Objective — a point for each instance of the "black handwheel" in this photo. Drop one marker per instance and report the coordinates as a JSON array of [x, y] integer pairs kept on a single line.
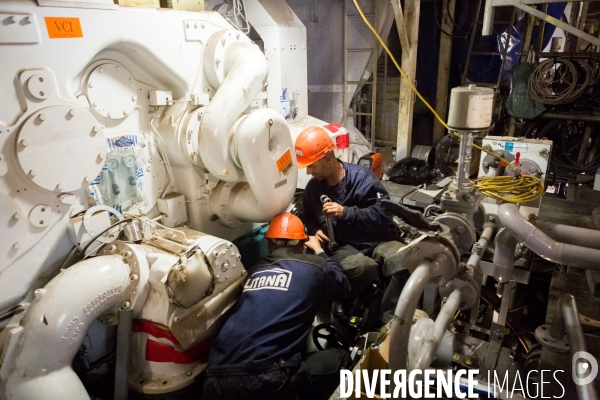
[[333, 336]]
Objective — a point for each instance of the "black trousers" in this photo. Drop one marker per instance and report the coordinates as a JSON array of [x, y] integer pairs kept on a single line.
[[317, 378]]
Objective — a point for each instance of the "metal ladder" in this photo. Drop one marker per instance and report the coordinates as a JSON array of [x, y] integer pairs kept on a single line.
[[374, 51], [503, 53]]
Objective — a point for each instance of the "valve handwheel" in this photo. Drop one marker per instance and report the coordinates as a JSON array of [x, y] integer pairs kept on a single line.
[[334, 337]]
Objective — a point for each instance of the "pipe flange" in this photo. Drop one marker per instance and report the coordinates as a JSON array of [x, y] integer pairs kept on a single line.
[[134, 256], [214, 59], [461, 229], [220, 207], [469, 290], [542, 335], [443, 261], [189, 137]]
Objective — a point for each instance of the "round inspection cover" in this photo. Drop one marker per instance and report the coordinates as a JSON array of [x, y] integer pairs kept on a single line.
[[40, 87], [59, 146], [112, 91], [14, 224]]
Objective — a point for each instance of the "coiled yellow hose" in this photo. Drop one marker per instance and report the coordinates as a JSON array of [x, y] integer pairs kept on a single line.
[[521, 189]]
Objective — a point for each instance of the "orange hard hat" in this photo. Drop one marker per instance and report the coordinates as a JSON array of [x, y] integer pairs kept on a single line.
[[312, 144], [286, 226]]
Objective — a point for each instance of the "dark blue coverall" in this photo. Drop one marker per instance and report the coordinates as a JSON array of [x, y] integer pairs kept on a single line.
[[257, 354], [362, 226]]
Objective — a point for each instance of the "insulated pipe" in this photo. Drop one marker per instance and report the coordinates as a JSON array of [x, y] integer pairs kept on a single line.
[[571, 234], [488, 18], [403, 317], [566, 317], [441, 325], [55, 325], [262, 144], [544, 245], [504, 253], [481, 245], [245, 69]]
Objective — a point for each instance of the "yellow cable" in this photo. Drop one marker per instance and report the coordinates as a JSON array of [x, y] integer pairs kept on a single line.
[[525, 188]]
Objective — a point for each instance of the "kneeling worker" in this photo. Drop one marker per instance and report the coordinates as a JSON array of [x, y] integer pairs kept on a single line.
[[258, 353]]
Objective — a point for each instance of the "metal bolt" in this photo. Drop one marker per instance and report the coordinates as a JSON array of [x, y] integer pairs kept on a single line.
[[177, 319], [102, 155], [134, 277], [414, 252], [126, 305], [109, 115], [101, 70], [487, 147], [91, 84], [189, 373], [441, 258], [225, 172], [112, 247], [148, 168], [460, 229], [33, 172], [24, 142], [60, 187], [17, 245], [96, 129], [42, 117], [486, 164], [128, 254], [125, 112], [544, 153], [491, 217], [88, 178], [270, 122], [133, 98], [217, 61], [17, 215], [532, 170]]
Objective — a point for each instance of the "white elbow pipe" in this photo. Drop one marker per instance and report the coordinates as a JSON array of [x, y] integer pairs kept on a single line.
[[543, 245], [403, 316], [441, 325], [54, 327], [260, 140], [244, 68]]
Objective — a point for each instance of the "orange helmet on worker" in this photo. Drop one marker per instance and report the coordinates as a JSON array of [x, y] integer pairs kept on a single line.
[[312, 144]]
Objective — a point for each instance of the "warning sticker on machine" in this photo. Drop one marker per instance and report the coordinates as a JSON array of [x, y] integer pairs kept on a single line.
[[63, 27], [284, 163]]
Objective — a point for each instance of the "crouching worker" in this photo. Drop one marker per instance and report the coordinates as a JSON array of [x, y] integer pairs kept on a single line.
[[258, 353]]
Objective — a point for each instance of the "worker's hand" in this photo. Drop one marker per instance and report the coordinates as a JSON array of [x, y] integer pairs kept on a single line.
[[313, 243], [333, 210], [323, 238]]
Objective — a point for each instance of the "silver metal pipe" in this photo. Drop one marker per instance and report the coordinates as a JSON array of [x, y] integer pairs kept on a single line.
[[488, 19], [566, 317], [504, 253], [481, 245], [544, 245], [441, 325], [405, 310], [123, 350], [571, 234]]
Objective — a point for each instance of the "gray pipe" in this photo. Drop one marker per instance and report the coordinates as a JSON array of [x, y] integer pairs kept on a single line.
[[405, 310], [571, 234], [488, 19], [504, 254], [566, 317], [544, 245], [441, 325], [481, 245], [123, 350]]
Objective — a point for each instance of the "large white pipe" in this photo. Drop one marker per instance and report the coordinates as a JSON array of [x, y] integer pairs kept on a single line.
[[544, 245], [246, 71], [259, 141], [55, 325], [441, 325]]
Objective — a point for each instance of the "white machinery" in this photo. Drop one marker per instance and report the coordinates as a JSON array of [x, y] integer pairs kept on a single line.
[[145, 120]]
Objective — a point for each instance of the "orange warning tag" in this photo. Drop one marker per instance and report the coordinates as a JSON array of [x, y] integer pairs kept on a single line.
[[284, 162], [63, 27]]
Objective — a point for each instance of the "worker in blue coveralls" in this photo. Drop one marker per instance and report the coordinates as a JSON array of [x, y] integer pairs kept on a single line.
[[258, 353], [358, 220]]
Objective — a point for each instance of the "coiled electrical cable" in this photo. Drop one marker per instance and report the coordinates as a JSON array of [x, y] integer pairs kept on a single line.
[[560, 80]]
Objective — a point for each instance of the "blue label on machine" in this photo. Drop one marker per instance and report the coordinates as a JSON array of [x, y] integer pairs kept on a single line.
[[508, 146]]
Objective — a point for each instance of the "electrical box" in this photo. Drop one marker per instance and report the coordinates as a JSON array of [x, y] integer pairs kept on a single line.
[[173, 209], [534, 159], [160, 98]]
